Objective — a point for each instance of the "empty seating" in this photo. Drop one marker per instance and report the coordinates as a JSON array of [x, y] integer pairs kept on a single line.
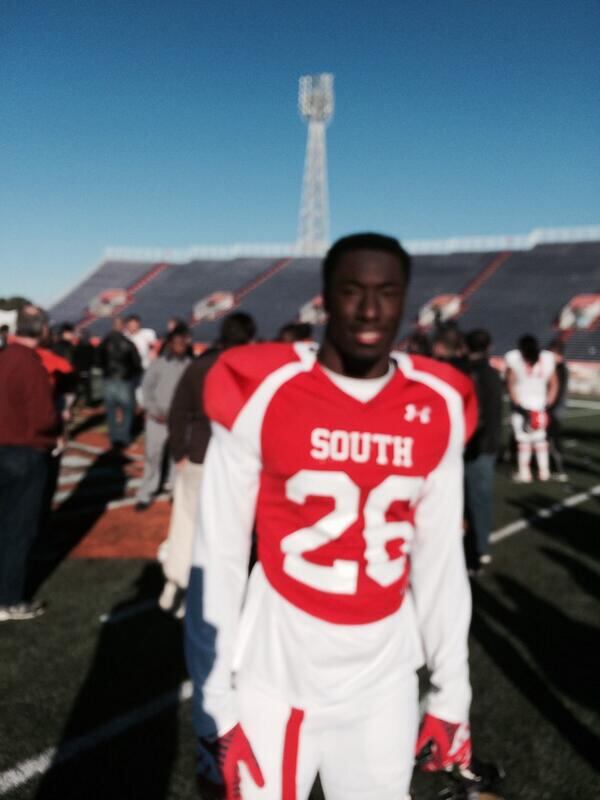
[[524, 295]]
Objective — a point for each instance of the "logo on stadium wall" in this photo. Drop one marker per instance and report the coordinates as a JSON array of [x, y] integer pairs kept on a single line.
[[582, 312], [441, 308], [109, 302], [213, 306], [313, 312]]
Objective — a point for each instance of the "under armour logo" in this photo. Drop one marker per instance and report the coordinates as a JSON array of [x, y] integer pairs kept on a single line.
[[422, 414]]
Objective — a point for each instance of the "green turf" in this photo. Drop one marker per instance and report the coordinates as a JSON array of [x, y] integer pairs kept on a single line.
[[534, 661]]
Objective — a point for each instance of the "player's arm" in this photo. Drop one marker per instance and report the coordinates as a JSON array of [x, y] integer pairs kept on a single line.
[[552, 390], [441, 591], [149, 384], [219, 576], [183, 406], [511, 386], [442, 599], [214, 601]]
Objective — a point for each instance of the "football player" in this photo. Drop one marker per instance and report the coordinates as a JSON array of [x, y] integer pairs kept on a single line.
[[348, 462], [532, 387]]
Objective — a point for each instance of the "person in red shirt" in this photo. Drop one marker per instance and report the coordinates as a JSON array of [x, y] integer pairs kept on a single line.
[[28, 428], [348, 460]]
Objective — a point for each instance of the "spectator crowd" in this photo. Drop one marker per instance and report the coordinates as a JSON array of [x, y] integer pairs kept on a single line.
[[45, 375]]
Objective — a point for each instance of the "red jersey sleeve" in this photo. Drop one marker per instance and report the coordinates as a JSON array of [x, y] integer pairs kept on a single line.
[[237, 374], [458, 381]]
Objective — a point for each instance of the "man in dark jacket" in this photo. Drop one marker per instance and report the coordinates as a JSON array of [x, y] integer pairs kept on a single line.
[[28, 428], [189, 432], [482, 448], [121, 368]]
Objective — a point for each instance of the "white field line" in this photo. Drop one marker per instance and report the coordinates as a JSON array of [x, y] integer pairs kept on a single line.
[[132, 483], [95, 450], [584, 404], [26, 770], [121, 503], [544, 513], [85, 448]]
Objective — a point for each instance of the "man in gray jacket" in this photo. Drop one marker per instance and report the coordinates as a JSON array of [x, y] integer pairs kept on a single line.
[[158, 387]]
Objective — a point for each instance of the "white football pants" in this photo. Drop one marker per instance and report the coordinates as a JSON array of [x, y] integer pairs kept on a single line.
[[363, 749], [528, 441]]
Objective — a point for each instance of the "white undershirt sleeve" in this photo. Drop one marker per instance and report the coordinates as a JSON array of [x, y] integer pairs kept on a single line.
[[441, 591], [219, 575]]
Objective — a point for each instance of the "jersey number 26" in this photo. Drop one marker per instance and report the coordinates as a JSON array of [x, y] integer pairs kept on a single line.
[[342, 576]]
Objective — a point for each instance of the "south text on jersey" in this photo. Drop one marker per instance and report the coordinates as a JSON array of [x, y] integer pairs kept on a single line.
[[361, 447]]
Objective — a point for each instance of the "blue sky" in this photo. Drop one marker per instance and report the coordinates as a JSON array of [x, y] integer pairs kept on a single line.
[[175, 123]]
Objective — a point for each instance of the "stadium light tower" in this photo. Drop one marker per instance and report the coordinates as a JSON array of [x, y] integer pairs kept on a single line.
[[315, 103]]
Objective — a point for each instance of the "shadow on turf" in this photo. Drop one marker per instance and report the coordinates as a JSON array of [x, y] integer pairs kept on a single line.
[[586, 578], [137, 660], [68, 525], [565, 666], [87, 422]]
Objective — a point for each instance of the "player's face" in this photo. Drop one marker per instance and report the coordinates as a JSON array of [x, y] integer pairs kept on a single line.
[[365, 303]]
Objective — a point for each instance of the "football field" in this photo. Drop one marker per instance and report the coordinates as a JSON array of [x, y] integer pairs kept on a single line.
[[94, 697]]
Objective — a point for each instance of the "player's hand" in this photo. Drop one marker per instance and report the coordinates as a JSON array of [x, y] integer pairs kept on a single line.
[[217, 770], [442, 745]]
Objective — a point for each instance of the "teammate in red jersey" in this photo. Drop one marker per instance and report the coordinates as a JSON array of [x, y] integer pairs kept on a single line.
[[349, 461]]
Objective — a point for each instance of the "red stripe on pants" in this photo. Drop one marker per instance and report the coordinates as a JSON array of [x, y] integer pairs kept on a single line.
[[290, 754]]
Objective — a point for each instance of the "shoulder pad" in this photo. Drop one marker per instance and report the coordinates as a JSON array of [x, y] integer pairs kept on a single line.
[[236, 375], [457, 380]]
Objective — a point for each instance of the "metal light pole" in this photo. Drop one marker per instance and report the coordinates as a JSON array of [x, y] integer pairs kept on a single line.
[[315, 103]]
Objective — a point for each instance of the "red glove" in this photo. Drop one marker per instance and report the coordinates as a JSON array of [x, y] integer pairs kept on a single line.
[[218, 762], [449, 744], [538, 420]]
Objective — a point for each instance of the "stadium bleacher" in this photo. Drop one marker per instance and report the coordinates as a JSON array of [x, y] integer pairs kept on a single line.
[[524, 294], [109, 275], [583, 346], [528, 291], [436, 275]]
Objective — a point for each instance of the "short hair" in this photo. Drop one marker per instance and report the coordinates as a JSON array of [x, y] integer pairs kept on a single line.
[[237, 328], [418, 344], [31, 322], [478, 340], [133, 318], [295, 332], [363, 241], [450, 336], [66, 327], [179, 330], [529, 348]]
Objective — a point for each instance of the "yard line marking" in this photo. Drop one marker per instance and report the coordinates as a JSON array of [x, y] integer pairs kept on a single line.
[[129, 611], [121, 503], [95, 450], [86, 448], [544, 513], [64, 494], [53, 756], [584, 404]]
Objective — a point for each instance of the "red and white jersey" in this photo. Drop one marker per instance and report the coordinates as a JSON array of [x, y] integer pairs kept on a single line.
[[531, 382], [356, 490]]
